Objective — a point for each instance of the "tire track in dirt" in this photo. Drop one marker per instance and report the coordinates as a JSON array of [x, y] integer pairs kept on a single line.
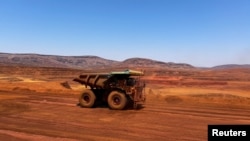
[[26, 136], [201, 111], [58, 116]]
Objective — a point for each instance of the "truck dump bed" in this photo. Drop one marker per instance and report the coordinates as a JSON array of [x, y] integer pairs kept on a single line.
[[93, 80], [98, 79]]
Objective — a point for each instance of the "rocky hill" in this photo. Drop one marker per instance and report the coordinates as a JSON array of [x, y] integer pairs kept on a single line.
[[83, 62], [142, 62], [38, 60]]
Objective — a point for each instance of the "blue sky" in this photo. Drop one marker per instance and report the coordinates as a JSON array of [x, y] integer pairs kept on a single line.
[[199, 32]]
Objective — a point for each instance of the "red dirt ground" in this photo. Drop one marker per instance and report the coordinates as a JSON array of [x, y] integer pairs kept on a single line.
[[36, 105]]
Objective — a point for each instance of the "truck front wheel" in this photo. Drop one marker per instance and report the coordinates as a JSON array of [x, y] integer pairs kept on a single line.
[[87, 99], [117, 100]]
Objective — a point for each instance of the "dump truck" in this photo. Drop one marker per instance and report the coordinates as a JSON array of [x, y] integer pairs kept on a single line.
[[117, 89]]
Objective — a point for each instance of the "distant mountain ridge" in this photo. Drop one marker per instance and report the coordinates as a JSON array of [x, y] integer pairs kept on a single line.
[[83, 62], [231, 66], [95, 62]]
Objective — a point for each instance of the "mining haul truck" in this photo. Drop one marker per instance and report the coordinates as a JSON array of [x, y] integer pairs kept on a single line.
[[117, 89]]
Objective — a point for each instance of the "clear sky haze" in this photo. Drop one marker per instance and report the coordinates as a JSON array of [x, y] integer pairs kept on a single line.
[[198, 32]]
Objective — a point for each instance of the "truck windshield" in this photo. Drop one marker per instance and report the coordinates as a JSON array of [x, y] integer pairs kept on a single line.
[[131, 82]]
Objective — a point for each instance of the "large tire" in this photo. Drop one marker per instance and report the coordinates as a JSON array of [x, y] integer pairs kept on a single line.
[[87, 99], [117, 100]]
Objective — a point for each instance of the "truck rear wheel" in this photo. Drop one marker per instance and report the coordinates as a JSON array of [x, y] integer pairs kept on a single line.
[[117, 100], [87, 99]]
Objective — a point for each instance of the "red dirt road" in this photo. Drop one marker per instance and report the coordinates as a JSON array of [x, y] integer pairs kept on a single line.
[[27, 115]]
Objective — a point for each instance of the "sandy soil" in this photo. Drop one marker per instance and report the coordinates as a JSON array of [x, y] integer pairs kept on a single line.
[[44, 107]]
